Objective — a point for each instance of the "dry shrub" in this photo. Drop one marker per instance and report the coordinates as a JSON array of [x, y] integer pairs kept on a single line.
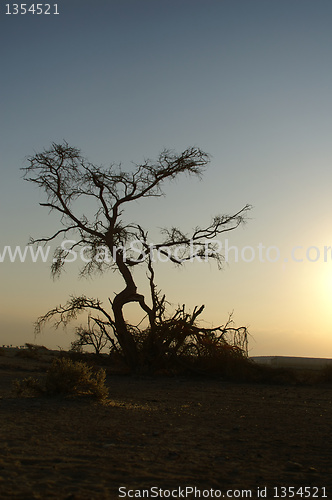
[[227, 361], [68, 378], [178, 345], [75, 378], [28, 387]]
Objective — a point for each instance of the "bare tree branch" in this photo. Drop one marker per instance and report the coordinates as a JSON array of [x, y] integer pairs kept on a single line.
[[72, 184]]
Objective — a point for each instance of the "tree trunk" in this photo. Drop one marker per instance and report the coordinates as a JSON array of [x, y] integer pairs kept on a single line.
[[129, 294], [124, 337]]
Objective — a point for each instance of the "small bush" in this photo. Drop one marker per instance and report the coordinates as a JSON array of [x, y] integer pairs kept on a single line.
[[75, 378], [28, 387], [65, 377]]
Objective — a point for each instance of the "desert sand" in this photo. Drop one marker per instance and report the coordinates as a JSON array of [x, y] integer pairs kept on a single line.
[[168, 433]]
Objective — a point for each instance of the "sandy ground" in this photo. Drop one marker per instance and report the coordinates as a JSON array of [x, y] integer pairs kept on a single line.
[[168, 433]]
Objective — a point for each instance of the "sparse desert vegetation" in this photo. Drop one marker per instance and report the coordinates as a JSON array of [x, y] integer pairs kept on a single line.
[[182, 404]]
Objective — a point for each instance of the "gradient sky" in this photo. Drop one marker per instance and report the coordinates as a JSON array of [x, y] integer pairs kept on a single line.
[[248, 81]]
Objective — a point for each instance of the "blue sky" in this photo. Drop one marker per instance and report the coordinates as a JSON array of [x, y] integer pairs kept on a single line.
[[247, 81]]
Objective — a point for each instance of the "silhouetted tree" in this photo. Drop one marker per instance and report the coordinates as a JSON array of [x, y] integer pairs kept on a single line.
[[67, 179]]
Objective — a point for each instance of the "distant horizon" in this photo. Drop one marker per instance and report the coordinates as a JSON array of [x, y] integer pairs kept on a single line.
[[265, 356]]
